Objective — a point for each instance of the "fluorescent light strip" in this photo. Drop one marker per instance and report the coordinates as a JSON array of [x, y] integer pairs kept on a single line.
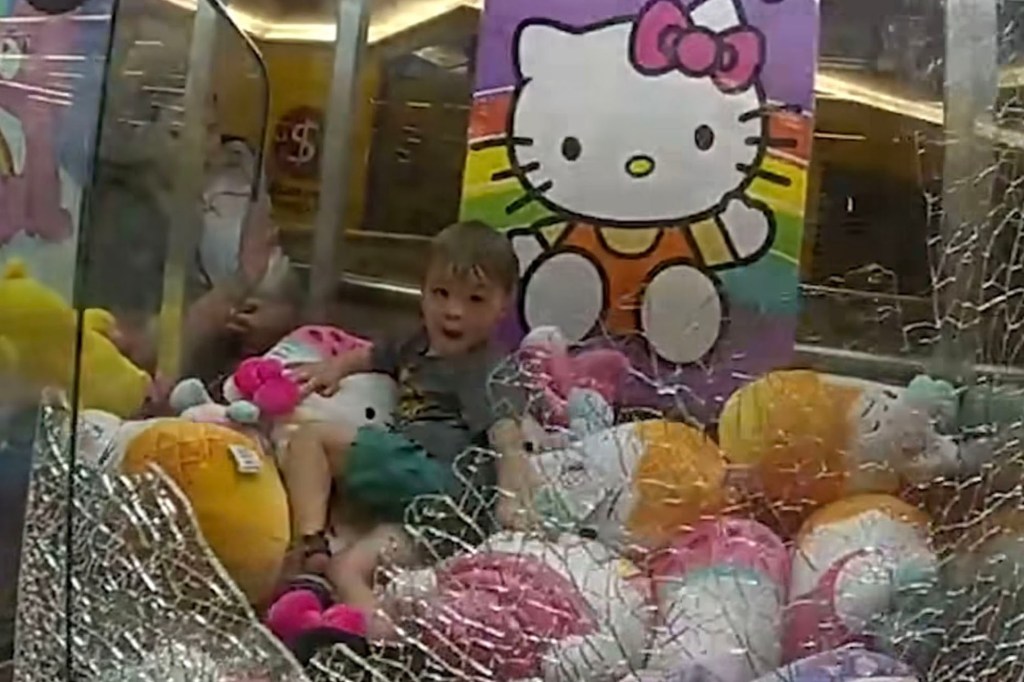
[[406, 15]]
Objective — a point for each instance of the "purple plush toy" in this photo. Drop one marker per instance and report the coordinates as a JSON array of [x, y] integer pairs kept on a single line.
[[852, 663]]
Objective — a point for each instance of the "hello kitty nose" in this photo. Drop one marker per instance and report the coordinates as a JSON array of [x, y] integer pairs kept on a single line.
[[639, 166]]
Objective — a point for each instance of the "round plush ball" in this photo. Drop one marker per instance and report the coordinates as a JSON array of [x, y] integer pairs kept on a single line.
[[852, 559], [235, 492], [678, 480], [740, 543], [791, 430], [869, 521]]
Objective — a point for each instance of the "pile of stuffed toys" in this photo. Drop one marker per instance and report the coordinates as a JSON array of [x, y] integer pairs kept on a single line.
[[799, 542]]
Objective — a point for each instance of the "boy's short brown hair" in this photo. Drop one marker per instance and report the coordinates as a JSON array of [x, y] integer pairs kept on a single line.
[[474, 248]]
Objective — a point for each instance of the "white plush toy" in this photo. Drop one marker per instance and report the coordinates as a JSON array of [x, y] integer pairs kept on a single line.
[[527, 609], [261, 391], [362, 400], [641, 482], [103, 438]]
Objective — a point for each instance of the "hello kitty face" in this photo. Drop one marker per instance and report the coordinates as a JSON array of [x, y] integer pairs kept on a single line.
[[595, 135], [891, 431]]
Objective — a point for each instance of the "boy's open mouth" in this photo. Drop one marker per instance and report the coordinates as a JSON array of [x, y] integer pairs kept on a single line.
[[451, 334]]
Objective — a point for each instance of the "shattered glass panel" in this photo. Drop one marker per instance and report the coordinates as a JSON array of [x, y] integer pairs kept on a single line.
[[118, 584]]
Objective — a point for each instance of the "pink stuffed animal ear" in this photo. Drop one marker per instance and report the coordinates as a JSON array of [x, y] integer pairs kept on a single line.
[[254, 373], [602, 370], [276, 397]]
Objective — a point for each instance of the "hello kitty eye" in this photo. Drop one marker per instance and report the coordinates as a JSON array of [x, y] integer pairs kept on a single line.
[[571, 148], [704, 137]]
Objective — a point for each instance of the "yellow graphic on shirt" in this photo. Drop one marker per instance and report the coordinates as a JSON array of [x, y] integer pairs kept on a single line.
[[412, 403]]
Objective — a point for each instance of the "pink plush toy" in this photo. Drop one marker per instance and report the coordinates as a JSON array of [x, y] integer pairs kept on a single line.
[[305, 619], [735, 542], [525, 609], [557, 374], [720, 591], [264, 381]]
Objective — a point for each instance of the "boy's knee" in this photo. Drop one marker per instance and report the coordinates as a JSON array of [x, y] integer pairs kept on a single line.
[[327, 436]]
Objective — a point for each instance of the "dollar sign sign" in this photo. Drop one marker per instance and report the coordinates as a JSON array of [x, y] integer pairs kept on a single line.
[[304, 137]]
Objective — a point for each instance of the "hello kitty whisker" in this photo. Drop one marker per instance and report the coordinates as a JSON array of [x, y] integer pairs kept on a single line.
[[515, 172], [768, 109], [547, 221], [503, 141], [529, 197], [773, 178], [774, 142]]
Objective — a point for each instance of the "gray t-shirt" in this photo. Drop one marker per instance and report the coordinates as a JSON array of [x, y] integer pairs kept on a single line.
[[444, 403]]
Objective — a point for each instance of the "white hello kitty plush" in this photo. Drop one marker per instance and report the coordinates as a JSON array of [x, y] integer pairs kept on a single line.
[[673, 136], [262, 394]]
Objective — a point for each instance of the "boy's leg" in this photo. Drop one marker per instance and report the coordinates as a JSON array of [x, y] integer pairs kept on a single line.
[[316, 455], [352, 572]]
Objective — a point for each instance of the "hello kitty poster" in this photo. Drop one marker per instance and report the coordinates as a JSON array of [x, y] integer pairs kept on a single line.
[[649, 160]]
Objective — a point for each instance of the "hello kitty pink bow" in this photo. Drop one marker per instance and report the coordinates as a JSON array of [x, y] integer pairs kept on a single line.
[[665, 39]]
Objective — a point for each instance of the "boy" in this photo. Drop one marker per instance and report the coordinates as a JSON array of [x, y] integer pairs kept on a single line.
[[445, 408]]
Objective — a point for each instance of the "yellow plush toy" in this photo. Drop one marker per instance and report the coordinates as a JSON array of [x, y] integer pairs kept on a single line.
[[809, 439], [235, 492], [39, 329]]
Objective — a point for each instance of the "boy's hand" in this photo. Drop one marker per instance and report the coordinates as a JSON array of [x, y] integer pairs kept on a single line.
[[513, 515], [319, 377]]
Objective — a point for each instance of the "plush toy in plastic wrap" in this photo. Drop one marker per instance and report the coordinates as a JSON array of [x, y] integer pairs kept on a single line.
[[642, 482], [852, 560], [572, 390], [528, 609], [720, 591], [234, 490], [807, 439], [38, 330]]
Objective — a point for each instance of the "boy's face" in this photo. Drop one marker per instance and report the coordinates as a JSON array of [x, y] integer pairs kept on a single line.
[[460, 312]]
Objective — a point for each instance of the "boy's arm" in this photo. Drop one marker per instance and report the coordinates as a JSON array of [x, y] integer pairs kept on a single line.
[[323, 377], [516, 477], [353, 362]]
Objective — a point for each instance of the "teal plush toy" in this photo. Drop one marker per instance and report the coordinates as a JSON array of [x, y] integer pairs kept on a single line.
[[939, 399], [969, 408], [984, 422]]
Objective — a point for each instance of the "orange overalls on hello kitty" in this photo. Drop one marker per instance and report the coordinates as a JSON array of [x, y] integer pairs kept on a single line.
[[690, 125]]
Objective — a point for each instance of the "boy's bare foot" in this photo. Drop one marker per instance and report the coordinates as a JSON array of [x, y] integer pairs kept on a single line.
[[316, 553], [380, 628]]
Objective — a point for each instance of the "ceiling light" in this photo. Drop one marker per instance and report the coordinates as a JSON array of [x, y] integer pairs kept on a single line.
[[831, 86]]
